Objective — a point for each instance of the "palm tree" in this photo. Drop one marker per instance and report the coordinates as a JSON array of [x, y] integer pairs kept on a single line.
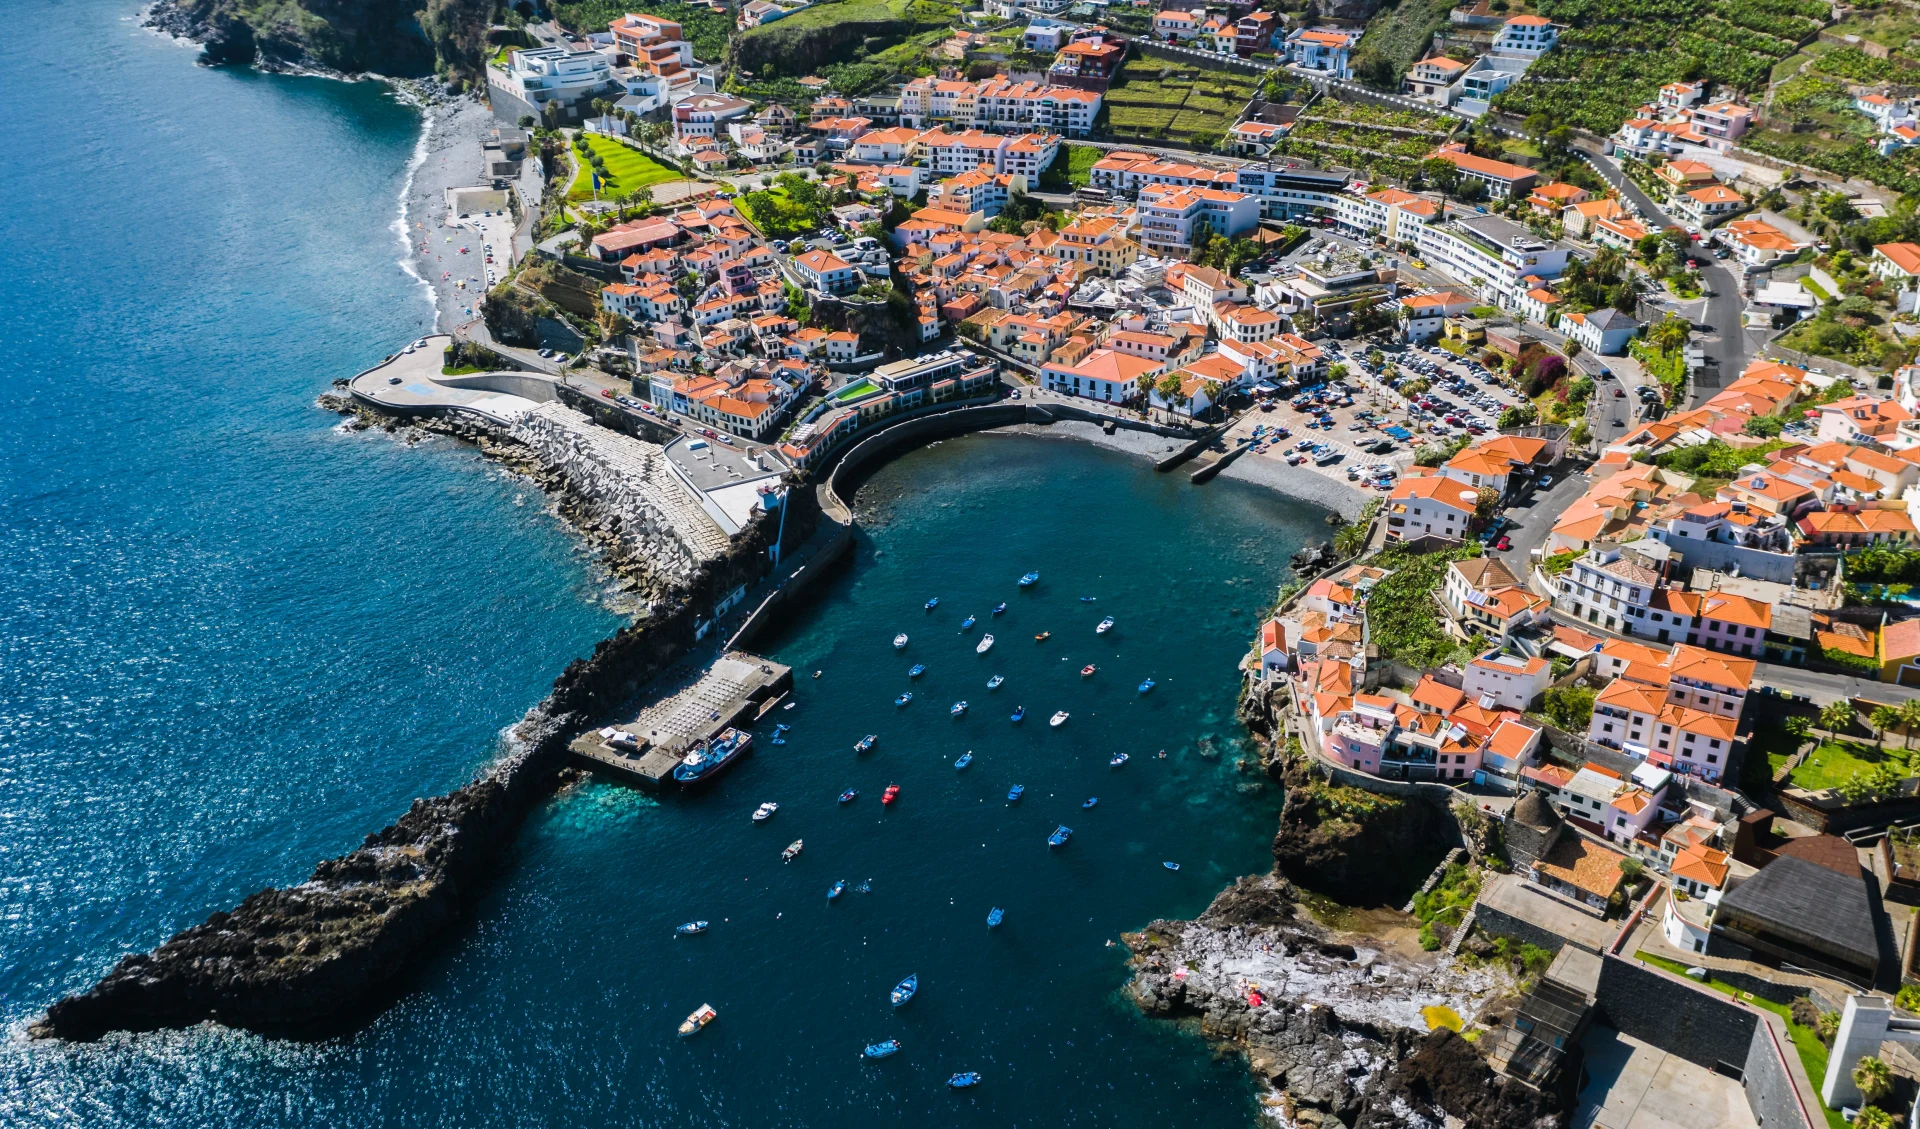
[[1834, 716], [1873, 1078], [1873, 1117], [1799, 725], [1882, 719], [1909, 719]]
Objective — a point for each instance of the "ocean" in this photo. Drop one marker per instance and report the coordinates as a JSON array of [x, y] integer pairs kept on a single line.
[[238, 638]]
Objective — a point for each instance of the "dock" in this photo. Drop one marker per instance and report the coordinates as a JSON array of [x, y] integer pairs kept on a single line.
[[735, 691]]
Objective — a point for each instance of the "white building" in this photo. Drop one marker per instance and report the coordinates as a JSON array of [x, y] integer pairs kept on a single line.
[[1603, 332], [536, 77], [1168, 216], [1612, 586], [1531, 36], [1513, 681], [1492, 255], [1320, 50], [1430, 506]]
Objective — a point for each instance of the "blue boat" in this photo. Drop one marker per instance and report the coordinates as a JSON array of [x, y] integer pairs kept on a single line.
[[964, 1079], [690, 928], [999, 607], [1146, 685], [1088, 599], [881, 1050], [864, 887], [995, 916], [1118, 760], [916, 670], [1014, 793], [903, 699], [837, 889], [958, 709], [709, 758], [1171, 865], [1060, 836], [1019, 712], [1090, 801], [1029, 580], [780, 734], [933, 603], [903, 991], [847, 796], [967, 622], [966, 759], [864, 743], [994, 682]]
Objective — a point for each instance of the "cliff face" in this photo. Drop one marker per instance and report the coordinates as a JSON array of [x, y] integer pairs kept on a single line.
[[389, 37], [1339, 840]]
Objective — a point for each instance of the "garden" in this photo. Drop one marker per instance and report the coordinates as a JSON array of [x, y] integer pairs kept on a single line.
[[1401, 615], [623, 169], [1154, 98], [1072, 168]]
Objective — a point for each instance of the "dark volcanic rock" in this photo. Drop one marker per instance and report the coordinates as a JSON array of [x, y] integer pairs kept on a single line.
[[1263, 899], [1334, 847], [1445, 1078]]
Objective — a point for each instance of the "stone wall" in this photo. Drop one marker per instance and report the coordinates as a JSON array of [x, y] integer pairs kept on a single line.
[[1704, 1028], [1768, 1085], [1500, 924]]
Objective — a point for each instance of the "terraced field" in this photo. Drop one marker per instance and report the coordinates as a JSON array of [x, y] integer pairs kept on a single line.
[[1157, 98]]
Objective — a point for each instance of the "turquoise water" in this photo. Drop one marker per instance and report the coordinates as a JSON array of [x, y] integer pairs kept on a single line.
[[237, 640]]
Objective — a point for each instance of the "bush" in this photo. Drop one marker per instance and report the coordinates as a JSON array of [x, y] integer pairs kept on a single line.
[[1570, 708]]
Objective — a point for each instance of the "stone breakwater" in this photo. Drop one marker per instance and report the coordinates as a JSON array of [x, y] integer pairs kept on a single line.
[[1339, 1031]]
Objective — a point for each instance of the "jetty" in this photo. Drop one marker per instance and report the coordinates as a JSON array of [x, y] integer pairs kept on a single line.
[[737, 690]]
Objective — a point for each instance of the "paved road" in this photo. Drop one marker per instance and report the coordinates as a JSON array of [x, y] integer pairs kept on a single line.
[[1824, 688], [1533, 517]]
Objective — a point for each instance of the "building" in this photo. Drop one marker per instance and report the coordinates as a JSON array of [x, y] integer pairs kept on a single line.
[[1433, 79], [1604, 331], [704, 115], [1320, 50], [1757, 243], [1494, 257], [1422, 316], [1430, 506], [535, 78], [1498, 678], [1388, 212], [1707, 205], [1860, 419], [1107, 375], [1531, 36], [1802, 914], [1612, 586], [1722, 122], [826, 272], [1501, 179], [1169, 215]]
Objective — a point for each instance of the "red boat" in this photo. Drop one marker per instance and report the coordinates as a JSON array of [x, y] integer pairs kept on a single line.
[[887, 796], [1087, 671]]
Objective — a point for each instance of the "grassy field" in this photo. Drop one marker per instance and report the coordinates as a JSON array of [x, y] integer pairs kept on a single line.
[[1072, 168], [1400, 34], [1157, 98], [627, 169], [1831, 764]]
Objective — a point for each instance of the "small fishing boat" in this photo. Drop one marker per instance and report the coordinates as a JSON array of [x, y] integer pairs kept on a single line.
[[702, 1015], [967, 623], [1088, 599], [849, 795], [1014, 793], [958, 709], [864, 887], [966, 759], [892, 793], [1029, 580], [1146, 685], [994, 682], [1058, 719], [690, 928], [1019, 712], [881, 1050], [995, 916], [1171, 865], [1087, 670], [1089, 802], [780, 731], [986, 644], [1043, 637], [793, 849], [1104, 626], [916, 670], [837, 889], [765, 811], [900, 641], [864, 743], [1060, 836], [999, 607], [933, 603], [964, 1079], [903, 991], [1118, 760], [903, 699]]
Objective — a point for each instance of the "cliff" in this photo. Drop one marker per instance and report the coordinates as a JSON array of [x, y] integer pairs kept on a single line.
[[1339, 840], [399, 38]]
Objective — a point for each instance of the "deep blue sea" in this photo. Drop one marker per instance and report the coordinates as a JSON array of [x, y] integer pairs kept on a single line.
[[237, 639]]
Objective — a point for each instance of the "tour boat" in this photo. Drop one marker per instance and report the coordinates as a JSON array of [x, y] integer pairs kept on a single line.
[[995, 916], [964, 1079], [1146, 685], [888, 796], [1014, 793], [985, 645], [1043, 637], [690, 928], [994, 682], [967, 623], [1060, 836], [966, 759], [933, 603], [1118, 760], [1171, 865], [881, 1050], [958, 709], [702, 1015], [1019, 712], [1029, 580], [709, 758], [1089, 802], [903, 699], [837, 889], [793, 849], [900, 641], [765, 811], [999, 607], [864, 743], [1058, 719], [847, 796], [1087, 670], [1105, 626], [903, 991], [916, 670]]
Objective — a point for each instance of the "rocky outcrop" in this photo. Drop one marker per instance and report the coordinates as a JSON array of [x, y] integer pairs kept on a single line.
[[1356, 10], [1337, 839], [1445, 1082], [398, 38]]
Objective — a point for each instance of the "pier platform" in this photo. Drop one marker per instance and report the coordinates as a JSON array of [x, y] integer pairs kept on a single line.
[[735, 691]]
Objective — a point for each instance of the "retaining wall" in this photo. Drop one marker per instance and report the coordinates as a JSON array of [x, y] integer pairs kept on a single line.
[[1502, 924], [1704, 1028]]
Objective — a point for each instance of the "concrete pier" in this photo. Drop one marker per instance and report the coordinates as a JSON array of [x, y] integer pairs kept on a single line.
[[735, 691]]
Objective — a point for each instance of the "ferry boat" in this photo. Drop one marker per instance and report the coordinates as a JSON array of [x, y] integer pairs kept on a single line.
[[1014, 793], [1146, 685], [1019, 712], [1087, 670], [793, 849], [702, 1015], [916, 670], [999, 607], [864, 743], [765, 811], [986, 644], [900, 641], [1105, 626], [1043, 637], [1171, 865], [933, 603], [958, 709], [967, 623], [1118, 760], [837, 889], [995, 916], [903, 991], [1058, 720], [964, 1079], [1060, 836], [892, 793], [903, 699], [994, 682], [690, 928], [709, 758], [1029, 580], [1089, 802], [966, 759], [882, 1049], [848, 796]]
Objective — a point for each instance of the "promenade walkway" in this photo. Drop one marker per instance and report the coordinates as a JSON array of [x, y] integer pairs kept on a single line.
[[412, 382]]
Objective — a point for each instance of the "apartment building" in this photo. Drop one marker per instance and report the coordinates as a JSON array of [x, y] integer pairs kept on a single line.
[[1492, 255], [1169, 215], [1531, 36]]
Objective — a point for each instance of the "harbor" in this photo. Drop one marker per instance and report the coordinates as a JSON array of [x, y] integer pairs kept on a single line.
[[733, 693]]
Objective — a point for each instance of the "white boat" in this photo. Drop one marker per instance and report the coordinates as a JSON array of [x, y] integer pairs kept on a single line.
[[1058, 719], [702, 1015], [900, 641], [765, 811], [793, 849], [1106, 625], [986, 644]]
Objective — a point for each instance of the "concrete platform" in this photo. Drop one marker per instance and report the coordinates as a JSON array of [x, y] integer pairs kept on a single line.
[[1633, 1085], [412, 382], [1515, 896], [734, 691]]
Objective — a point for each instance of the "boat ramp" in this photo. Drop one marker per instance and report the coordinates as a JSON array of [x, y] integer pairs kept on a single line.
[[736, 690]]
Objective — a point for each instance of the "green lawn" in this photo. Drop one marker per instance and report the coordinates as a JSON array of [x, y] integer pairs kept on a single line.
[[855, 390], [1831, 763], [627, 169]]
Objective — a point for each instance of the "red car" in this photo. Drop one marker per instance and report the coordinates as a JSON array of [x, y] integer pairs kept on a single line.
[[1504, 543], [607, 392]]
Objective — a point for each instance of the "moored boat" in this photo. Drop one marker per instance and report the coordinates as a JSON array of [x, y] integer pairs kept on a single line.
[[1030, 579], [881, 1049], [900, 641], [848, 796], [986, 644], [892, 793], [1089, 802], [1019, 712], [967, 623], [1043, 637], [999, 607], [964, 1079], [765, 811], [1088, 599], [903, 699], [916, 670], [1058, 719], [702, 1015], [1118, 760], [995, 916], [933, 603], [966, 759], [1014, 793], [958, 709], [1087, 670], [1171, 865], [793, 849], [864, 743], [709, 758], [903, 991], [1060, 836], [1146, 685], [837, 889], [690, 928], [780, 731], [1104, 626], [994, 682]]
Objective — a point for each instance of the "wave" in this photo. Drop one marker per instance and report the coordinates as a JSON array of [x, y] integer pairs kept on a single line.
[[399, 225]]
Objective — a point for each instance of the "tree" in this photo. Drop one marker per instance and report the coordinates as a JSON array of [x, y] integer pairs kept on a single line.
[[1669, 334], [528, 121], [1835, 716], [1764, 427], [1571, 349], [1484, 503], [1909, 719], [1442, 174], [1631, 869], [1798, 726], [1570, 707], [1873, 1117], [1518, 415], [1873, 1077], [1882, 719]]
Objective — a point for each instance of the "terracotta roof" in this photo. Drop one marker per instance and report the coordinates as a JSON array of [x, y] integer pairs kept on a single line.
[[1701, 864], [1440, 696], [1586, 866]]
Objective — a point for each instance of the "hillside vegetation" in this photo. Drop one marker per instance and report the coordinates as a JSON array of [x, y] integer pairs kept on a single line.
[[391, 37], [838, 32], [705, 28]]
